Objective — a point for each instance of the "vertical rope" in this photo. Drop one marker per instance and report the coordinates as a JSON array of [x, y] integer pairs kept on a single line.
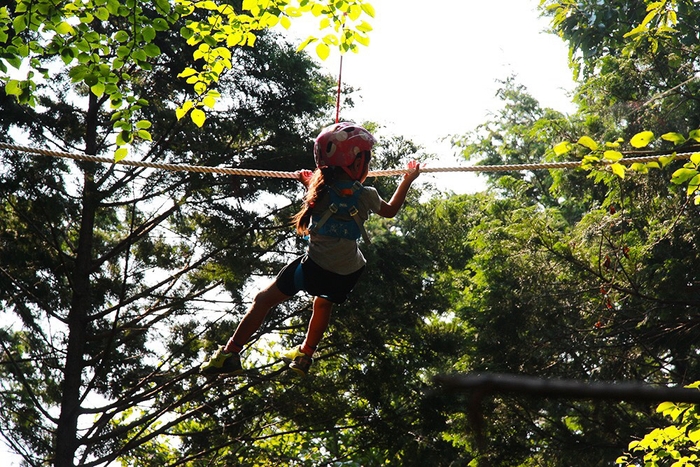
[[337, 99]]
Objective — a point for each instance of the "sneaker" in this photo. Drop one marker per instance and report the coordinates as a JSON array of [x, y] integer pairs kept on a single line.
[[299, 361], [222, 363]]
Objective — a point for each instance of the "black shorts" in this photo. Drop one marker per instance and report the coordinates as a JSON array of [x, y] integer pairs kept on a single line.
[[304, 274]]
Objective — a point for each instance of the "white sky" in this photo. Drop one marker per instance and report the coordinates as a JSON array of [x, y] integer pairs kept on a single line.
[[431, 69]]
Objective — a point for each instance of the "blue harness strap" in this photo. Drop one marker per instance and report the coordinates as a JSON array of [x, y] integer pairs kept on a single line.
[[342, 219]]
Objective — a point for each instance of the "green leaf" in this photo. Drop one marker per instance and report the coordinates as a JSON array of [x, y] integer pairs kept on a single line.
[[160, 24], [693, 185], [143, 124], [151, 50], [198, 117], [308, 41], [91, 79], [120, 154], [67, 55], [123, 51], [682, 175], [364, 27], [323, 51], [65, 28], [665, 160], [612, 156], [695, 158], [641, 168], [148, 33], [163, 6], [588, 142], [98, 89], [187, 72], [102, 13], [618, 169], [13, 88], [642, 139], [144, 135], [19, 24], [675, 138], [124, 137], [121, 36], [694, 134], [369, 9]]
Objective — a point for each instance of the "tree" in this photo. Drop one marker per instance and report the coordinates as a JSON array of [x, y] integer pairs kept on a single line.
[[102, 263], [639, 74], [572, 275]]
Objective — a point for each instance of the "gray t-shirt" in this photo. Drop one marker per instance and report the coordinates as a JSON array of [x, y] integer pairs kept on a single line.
[[341, 255]]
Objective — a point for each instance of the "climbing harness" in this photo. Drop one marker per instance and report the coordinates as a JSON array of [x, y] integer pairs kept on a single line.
[[341, 218]]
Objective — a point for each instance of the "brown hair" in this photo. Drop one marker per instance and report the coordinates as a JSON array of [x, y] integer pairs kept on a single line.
[[320, 180]]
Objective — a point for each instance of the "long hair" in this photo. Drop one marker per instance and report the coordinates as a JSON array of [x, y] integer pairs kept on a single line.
[[318, 185]]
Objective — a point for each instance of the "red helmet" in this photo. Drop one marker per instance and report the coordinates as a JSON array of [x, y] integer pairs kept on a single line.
[[339, 145]]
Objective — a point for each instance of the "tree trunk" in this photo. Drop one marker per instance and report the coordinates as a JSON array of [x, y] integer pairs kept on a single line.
[[78, 316]]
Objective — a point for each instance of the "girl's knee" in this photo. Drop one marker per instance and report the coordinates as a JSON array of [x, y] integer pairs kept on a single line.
[[322, 304], [269, 297]]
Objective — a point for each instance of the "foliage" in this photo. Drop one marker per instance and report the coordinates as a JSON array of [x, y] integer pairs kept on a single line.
[[675, 445], [608, 156], [572, 276], [105, 43]]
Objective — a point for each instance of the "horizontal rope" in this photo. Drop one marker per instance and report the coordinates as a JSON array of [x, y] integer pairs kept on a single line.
[[283, 174]]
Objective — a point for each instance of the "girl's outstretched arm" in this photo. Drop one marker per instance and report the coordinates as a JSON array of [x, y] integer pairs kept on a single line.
[[391, 208]]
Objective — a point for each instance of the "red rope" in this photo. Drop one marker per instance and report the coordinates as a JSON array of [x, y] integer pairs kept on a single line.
[[337, 100]]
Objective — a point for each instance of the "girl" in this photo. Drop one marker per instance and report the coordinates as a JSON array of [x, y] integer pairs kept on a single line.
[[335, 208]]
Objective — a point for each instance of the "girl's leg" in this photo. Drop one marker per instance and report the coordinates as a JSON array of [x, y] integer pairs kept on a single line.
[[266, 299], [318, 324]]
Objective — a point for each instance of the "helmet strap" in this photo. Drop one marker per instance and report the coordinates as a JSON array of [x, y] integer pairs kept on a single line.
[[356, 169]]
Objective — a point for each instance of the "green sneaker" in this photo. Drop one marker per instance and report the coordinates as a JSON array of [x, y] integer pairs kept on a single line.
[[222, 363], [299, 361]]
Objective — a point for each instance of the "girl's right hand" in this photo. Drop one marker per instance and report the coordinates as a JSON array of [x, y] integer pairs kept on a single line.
[[304, 176]]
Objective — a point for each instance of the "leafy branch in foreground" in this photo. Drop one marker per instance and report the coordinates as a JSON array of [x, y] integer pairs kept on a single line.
[[610, 155], [106, 44], [676, 445]]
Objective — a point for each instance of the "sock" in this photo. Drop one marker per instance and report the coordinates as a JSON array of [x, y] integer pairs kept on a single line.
[[232, 346], [307, 349]]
